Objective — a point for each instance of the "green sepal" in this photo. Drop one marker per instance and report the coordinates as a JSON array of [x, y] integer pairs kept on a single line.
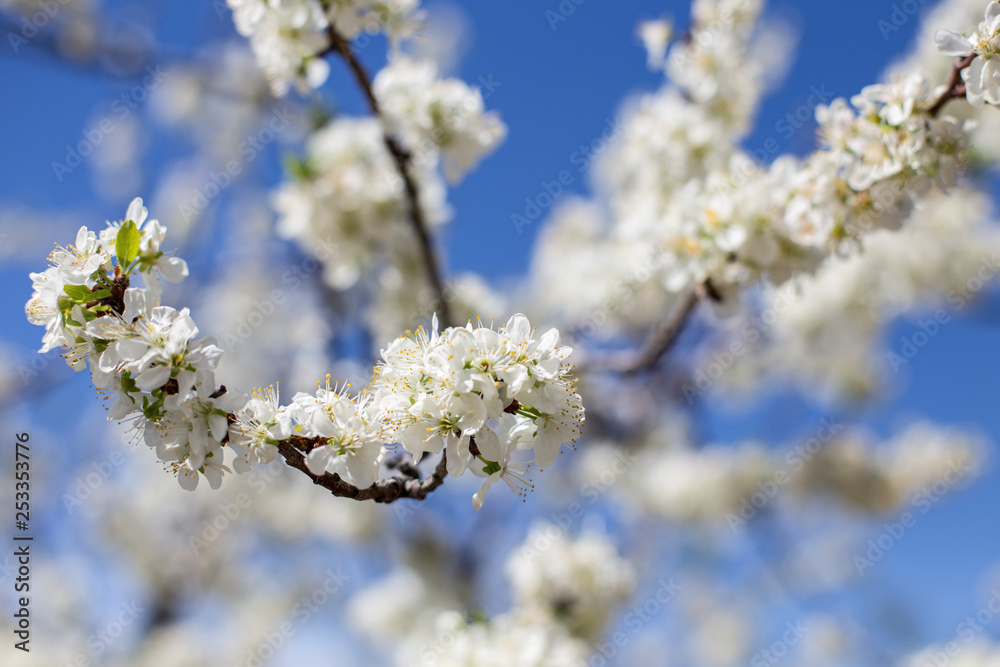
[[491, 467], [128, 384]]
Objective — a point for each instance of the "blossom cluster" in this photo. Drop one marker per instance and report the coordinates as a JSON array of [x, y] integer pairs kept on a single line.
[[347, 204], [740, 222], [146, 358], [479, 394], [437, 116], [288, 36], [565, 591], [982, 78], [682, 198], [827, 330], [577, 582]]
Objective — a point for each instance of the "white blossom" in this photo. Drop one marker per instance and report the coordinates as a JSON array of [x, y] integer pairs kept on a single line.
[[982, 77], [435, 115]]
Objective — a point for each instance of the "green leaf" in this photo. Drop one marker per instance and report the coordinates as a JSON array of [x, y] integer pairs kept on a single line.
[[79, 293], [128, 383], [127, 243]]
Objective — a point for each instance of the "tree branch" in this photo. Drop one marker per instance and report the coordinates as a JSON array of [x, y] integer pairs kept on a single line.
[[660, 341], [955, 87], [383, 491], [402, 159]]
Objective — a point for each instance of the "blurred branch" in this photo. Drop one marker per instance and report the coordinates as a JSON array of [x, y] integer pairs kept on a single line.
[[660, 341], [402, 159], [406, 485], [118, 58]]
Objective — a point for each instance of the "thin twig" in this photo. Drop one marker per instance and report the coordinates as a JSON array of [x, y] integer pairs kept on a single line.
[[402, 159], [955, 87]]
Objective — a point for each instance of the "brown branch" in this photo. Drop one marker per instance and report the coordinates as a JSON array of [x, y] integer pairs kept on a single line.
[[955, 87], [402, 159], [660, 341], [383, 491]]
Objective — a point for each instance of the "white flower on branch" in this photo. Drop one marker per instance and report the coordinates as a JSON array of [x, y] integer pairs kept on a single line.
[[982, 78]]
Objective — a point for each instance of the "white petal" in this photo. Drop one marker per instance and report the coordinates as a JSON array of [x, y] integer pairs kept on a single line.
[[188, 479], [480, 495], [136, 212], [973, 76], [214, 476], [173, 269], [546, 451], [992, 11], [991, 81], [153, 378], [951, 43], [318, 459], [218, 425], [489, 445], [135, 303], [81, 238], [316, 72], [458, 455], [362, 470], [518, 328]]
